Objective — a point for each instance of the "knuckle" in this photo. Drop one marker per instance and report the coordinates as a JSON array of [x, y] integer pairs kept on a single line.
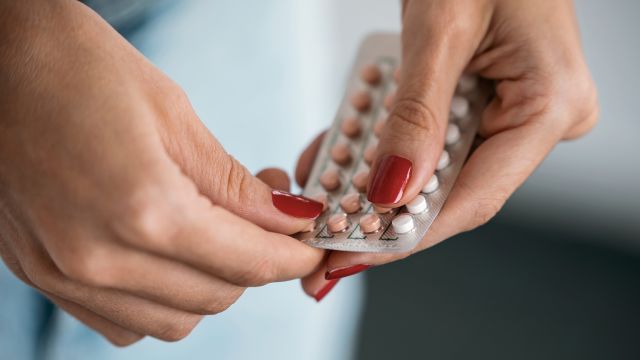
[[89, 265], [236, 188], [410, 114], [178, 329]]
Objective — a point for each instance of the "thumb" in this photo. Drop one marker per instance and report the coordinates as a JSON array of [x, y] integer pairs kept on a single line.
[[227, 183], [438, 40]]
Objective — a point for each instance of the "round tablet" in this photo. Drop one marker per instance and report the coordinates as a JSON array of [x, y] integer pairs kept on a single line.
[[453, 134], [350, 203], [361, 101], [417, 205], [467, 83], [351, 127], [444, 160], [388, 100], [371, 74], [360, 181], [370, 223], [341, 154], [381, 209], [369, 153], [338, 223], [402, 224], [330, 180], [323, 199], [459, 106], [378, 126], [432, 185]]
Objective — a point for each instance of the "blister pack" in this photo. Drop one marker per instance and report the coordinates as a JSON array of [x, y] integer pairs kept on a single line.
[[340, 173]]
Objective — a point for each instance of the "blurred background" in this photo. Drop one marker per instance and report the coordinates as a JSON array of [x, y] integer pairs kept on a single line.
[[555, 275]]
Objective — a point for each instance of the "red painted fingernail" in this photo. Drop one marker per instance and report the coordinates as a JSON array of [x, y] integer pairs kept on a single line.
[[325, 290], [392, 176], [345, 271], [295, 205]]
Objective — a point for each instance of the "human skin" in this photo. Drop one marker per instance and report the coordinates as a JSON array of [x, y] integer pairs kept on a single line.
[[543, 94], [115, 201]]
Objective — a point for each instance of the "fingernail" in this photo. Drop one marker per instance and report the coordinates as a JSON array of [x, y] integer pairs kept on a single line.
[[295, 205], [392, 176], [325, 290], [345, 271]]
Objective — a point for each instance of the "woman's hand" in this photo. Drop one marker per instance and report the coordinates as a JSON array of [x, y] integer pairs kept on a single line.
[[544, 94], [115, 201]]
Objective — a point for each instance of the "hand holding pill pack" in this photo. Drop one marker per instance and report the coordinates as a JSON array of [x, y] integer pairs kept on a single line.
[[341, 171]]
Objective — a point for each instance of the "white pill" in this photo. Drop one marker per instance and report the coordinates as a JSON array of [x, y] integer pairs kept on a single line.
[[417, 205], [453, 134], [444, 160], [459, 106], [467, 83], [402, 224], [432, 185]]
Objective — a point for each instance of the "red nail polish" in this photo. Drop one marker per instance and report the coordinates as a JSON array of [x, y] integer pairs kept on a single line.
[[392, 176], [325, 290], [295, 205], [345, 271]]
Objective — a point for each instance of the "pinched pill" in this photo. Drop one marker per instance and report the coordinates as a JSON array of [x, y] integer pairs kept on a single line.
[[370, 223], [360, 180], [323, 199], [402, 224], [432, 185], [338, 223], [350, 203], [417, 205], [467, 83], [453, 134], [361, 101], [444, 160], [389, 99], [371, 74], [330, 180], [351, 127], [369, 154], [379, 126], [459, 106], [341, 154], [381, 209]]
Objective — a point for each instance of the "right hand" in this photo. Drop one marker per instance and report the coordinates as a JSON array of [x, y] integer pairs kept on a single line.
[[115, 201]]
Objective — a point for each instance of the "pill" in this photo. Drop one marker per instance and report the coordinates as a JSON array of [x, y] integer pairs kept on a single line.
[[417, 205], [388, 100], [381, 209], [341, 154], [361, 101], [370, 223], [467, 83], [323, 199], [453, 134], [350, 203], [378, 127], [351, 127], [330, 180], [432, 185], [402, 224], [459, 106], [444, 160], [338, 223], [371, 74], [360, 181], [369, 154]]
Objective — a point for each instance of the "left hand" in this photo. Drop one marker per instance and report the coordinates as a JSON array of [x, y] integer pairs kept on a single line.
[[544, 94]]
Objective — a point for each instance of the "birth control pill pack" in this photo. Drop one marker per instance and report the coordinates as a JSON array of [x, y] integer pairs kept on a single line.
[[340, 173]]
